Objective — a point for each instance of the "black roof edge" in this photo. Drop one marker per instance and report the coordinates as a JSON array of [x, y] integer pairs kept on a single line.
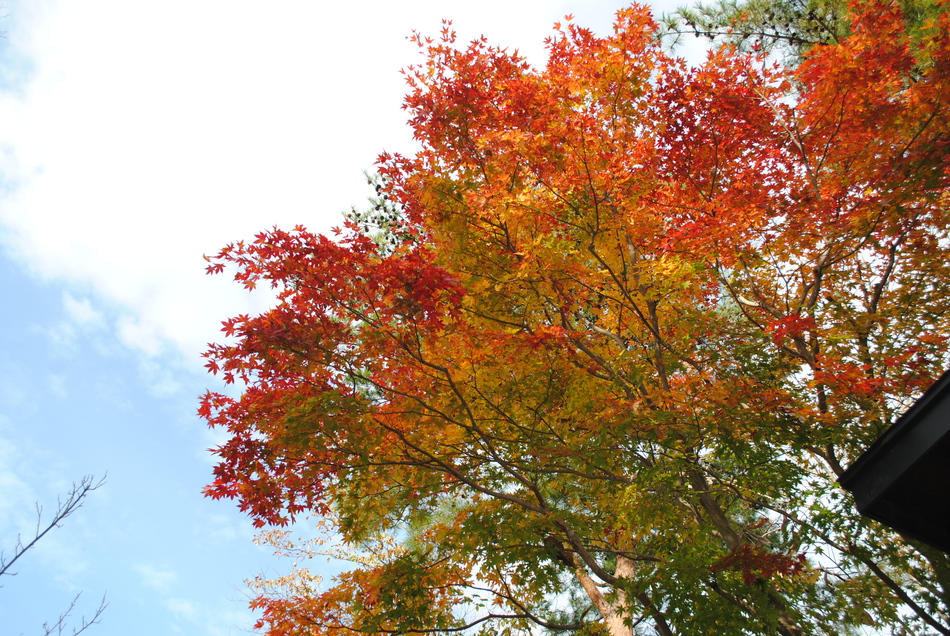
[[937, 390]]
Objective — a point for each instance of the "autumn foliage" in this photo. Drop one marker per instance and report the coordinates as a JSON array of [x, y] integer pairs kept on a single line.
[[598, 355]]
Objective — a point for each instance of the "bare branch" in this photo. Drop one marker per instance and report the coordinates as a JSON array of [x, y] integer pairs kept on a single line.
[[59, 626], [64, 507]]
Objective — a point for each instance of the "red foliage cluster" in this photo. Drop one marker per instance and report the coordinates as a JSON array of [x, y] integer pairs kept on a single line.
[[759, 564]]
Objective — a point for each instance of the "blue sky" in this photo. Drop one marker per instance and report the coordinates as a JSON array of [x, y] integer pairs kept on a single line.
[[134, 138]]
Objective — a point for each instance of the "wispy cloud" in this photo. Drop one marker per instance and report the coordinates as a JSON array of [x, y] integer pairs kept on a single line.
[[56, 385], [156, 579], [81, 311], [17, 500], [182, 608]]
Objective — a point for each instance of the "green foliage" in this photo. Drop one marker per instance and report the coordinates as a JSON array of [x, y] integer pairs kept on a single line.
[[788, 29]]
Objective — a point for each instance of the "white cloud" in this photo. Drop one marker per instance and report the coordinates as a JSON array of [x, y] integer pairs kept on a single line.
[[223, 529], [156, 579], [182, 608], [56, 385], [139, 335], [81, 311], [230, 623], [17, 500], [162, 380], [62, 336], [16, 394], [81, 319]]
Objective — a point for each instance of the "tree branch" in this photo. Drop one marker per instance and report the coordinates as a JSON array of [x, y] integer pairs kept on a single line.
[[73, 502]]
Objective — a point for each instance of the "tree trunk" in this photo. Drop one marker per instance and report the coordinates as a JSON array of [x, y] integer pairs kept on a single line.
[[613, 613]]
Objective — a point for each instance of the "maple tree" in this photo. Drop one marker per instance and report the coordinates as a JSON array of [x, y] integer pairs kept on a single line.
[[596, 357]]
